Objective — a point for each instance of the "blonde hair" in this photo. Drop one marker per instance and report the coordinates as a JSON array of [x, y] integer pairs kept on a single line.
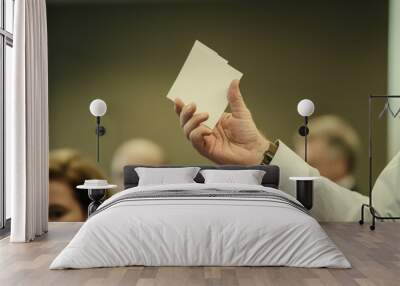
[[137, 151], [340, 136], [68, 166]]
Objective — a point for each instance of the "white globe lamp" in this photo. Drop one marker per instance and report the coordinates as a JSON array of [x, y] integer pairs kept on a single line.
[[98, 108], [305, 108]]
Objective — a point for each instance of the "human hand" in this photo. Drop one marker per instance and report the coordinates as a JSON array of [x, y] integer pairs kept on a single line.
[[235, 139]]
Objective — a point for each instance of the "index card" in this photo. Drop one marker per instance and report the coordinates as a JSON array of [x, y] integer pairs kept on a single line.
[[200, 45], [204, 79]]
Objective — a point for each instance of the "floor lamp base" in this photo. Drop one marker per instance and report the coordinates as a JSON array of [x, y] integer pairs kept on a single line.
[[374, 215]]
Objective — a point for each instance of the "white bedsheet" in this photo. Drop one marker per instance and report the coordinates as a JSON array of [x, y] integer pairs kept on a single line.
[[200, 231]]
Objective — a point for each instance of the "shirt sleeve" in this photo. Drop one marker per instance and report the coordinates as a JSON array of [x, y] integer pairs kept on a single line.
[[385, 193], [331, 201]]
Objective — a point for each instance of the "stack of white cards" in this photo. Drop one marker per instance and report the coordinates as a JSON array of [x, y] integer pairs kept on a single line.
[[204, 79]]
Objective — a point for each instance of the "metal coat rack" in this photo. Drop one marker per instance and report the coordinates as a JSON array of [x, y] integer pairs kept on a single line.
[[374, 213]]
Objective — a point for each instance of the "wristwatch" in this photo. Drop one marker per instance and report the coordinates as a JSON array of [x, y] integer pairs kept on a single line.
[[270, 153]]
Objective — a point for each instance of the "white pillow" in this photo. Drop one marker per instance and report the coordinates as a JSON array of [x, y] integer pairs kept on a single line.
[[162, 176], [248, 177]]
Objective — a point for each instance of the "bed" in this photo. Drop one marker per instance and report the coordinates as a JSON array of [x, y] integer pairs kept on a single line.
[[201, 224]]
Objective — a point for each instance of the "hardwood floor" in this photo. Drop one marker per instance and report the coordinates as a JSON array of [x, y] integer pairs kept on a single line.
[[375, 257]]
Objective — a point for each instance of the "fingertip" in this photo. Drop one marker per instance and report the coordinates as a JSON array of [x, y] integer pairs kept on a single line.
[[236, 82], [205, 115], [196, 136], [178, 105], [208, 131], [233, 91], [191, 108]]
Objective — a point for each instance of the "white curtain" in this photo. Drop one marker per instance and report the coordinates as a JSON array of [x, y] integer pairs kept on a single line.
[[27, 124]]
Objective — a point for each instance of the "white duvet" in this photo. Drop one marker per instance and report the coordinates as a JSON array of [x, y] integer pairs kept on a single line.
[[200, 231]]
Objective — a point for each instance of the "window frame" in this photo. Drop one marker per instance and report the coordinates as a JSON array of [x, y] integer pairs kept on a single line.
[[6, 39]]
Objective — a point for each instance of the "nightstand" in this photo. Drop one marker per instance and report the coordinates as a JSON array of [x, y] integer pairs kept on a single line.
[[96, 192], [305, 190]]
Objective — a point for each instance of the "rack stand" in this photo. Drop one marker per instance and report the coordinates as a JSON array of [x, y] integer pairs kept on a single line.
[[372, 210]]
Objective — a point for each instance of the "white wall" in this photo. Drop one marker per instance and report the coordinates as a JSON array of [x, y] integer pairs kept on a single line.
[[394, 75]]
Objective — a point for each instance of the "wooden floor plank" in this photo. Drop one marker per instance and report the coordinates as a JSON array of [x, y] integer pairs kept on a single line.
[[375, 257]]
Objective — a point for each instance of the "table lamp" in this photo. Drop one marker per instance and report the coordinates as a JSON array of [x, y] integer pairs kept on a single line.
[[305, 108], [98, 108]]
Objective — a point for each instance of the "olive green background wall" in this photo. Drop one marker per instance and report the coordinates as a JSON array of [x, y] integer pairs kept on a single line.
[[333, 52]]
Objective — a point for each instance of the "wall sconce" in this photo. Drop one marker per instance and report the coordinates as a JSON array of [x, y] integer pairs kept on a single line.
[[98, 108], [305, 108]]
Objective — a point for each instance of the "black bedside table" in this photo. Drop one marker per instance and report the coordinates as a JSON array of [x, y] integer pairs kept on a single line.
[[305, 190], [96, 192]]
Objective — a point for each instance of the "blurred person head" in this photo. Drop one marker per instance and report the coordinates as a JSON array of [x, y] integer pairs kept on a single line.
[[137, 151], [68, 169], [333, 146]]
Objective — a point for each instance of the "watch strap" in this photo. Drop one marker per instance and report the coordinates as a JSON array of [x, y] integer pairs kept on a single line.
[[270, 153]]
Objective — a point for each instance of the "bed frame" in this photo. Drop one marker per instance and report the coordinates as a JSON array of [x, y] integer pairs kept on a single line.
[[270, 179]]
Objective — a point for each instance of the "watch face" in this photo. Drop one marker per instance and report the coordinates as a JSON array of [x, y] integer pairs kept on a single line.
[[267, 158]]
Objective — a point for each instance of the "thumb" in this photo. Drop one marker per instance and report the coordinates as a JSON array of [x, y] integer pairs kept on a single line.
[[236, 102]]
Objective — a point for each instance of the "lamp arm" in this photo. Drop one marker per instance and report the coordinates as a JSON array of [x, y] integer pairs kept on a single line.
[[305, 137], [98, 137]]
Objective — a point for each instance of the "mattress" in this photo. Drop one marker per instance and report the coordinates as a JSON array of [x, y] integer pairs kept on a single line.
[[201, 225]]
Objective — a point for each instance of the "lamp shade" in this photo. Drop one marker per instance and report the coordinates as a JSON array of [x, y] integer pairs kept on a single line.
[[305, 107], [98, 107]]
